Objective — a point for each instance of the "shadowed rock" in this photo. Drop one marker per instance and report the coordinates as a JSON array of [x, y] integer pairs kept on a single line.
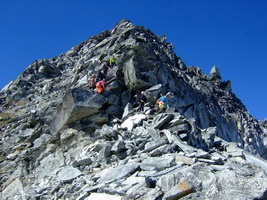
[[76, 105]]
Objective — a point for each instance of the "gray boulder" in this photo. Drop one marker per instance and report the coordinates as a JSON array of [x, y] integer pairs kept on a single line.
[[68, 174], [76, 105], [118, 172]]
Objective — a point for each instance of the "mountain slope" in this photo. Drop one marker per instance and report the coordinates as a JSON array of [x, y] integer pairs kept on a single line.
[[61, 140]]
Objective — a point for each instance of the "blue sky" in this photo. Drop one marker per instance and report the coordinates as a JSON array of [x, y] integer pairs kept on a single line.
[[231, 34]]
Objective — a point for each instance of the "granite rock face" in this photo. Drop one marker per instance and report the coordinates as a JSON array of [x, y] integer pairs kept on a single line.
[[62, 140]]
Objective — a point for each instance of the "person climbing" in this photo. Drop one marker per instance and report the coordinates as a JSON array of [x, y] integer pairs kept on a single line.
[[141, 100], [92, 81], [100, 86], [100, 76], [105, 69], [112, 61], [163, 102]]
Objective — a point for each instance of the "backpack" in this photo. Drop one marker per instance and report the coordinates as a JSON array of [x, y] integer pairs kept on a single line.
[[161, 104]]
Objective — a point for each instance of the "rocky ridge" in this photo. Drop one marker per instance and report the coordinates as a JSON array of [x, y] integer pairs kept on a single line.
[[60, 140]]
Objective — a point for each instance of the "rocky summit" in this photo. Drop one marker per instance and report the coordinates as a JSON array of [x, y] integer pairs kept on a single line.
[[61, 139]]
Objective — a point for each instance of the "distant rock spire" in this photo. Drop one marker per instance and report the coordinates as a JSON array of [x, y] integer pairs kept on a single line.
[[215, 72]]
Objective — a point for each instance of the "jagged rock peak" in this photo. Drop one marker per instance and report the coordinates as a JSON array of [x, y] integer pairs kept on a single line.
[[215, 72], [123, 24]]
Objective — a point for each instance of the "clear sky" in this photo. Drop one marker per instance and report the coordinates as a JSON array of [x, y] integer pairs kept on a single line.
[[231, 34]]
